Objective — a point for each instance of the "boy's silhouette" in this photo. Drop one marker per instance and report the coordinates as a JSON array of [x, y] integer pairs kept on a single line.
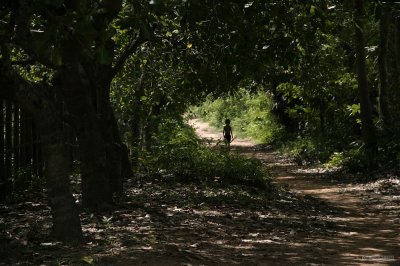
[[227, 132]]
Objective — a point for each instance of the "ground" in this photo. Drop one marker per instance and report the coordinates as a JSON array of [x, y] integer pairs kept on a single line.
[[316, 217]]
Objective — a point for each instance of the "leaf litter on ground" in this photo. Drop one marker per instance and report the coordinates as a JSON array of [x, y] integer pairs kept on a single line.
[[198, 221]]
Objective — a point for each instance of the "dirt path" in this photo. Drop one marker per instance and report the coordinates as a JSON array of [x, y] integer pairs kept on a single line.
[[323, 218], [368, 222]]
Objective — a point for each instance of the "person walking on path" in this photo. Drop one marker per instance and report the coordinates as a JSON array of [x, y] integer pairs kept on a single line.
[[227, 133]]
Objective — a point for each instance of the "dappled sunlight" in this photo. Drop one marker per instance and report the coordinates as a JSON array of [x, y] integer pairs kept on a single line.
[[364, 233], [315, 217]]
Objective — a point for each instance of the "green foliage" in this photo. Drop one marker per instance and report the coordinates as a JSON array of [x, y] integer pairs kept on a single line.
[[353, 159], [180, 154], [250, 115], [306, 150]]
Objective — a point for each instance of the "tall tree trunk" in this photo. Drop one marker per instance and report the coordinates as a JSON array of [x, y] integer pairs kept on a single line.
[[23, 140], [136, 122], [322, 117], [2, 156], [40, 163], [397, 49], [367, 126], [118, 164], [66, 223], [16, 141], [382, 61], [24, 153], [27, 146], [35, 150], [96, 192], [8, 145]]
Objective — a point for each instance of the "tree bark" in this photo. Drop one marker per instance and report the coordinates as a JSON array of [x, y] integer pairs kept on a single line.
[[76, 92], [136, 122], [8, 145], [35, 151], [16, 142], [322, 117], [118, 164], [66, 223], [367, 126], [397, 49], [27, 147], [2, 156], [384, 112]]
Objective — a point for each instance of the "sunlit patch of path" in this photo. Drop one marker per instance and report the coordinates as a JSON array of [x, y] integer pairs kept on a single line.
[[368, 233], [204, 130]]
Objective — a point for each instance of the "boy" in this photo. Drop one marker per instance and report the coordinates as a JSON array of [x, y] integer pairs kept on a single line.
[[227, 132]]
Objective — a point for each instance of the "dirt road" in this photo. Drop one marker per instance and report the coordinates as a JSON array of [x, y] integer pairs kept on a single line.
[[368, 219]]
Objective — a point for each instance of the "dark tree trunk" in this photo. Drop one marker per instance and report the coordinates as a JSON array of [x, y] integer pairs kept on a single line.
[[29, 147], [26, 144], [22, 133], [35, 149], [8, 145], [367, 126], [118, 165], [322, 117], [382, 62], [136, 122], [16, 139], [40, 163], [66, 223], [2, 157], [280, 110], [397, 49], [96, 192], [148, 133]]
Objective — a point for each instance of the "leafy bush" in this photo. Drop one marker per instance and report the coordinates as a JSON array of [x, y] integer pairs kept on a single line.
[[352, 159], [306, 150], [180, 154]]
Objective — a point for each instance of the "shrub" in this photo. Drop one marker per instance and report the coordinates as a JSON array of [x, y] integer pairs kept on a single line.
[[352, 159], [306, 150], [181, 154]]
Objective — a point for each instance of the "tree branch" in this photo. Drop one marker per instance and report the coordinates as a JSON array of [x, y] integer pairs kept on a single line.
[[127, 53], [15, 88]]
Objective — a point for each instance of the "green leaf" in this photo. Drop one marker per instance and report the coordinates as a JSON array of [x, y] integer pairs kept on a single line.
[[313, 9], [88, 260]]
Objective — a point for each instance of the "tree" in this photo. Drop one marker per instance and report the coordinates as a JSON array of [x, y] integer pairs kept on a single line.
[[367, 126], [2, 166], [81, 60], [383, 70], [37, 99]]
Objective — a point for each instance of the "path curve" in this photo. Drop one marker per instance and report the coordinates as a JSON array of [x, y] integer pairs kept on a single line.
[[369, 230]]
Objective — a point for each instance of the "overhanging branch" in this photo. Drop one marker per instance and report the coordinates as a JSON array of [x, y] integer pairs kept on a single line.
[[132, 47], [15, 88]]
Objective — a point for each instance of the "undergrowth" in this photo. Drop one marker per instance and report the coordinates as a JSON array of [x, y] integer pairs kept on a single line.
[[179, 154]]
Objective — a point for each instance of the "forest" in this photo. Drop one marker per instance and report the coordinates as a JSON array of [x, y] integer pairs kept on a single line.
[[112, 149]]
